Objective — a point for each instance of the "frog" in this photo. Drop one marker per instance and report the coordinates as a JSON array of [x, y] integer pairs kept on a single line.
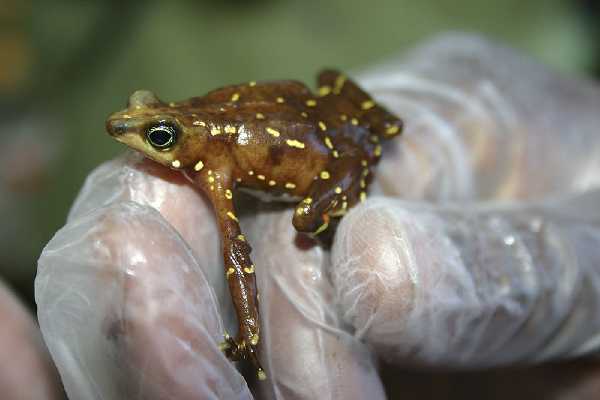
[[273, 138]]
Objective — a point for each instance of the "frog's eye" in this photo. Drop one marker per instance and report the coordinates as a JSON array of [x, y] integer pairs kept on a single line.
[[162, 136]]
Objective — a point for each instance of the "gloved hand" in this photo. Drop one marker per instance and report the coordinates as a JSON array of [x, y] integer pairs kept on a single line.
[[26, 370], [479, 246]]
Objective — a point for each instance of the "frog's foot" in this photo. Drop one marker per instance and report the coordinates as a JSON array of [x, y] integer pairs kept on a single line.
[[238, 349], [331, 195]]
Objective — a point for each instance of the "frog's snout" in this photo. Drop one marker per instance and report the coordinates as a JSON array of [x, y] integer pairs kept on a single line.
[[116, 127]]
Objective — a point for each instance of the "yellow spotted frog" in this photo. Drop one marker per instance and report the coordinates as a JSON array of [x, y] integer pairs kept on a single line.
[[275, 138]]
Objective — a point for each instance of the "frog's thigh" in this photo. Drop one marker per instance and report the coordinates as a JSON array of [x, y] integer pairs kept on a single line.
[[333, 191]]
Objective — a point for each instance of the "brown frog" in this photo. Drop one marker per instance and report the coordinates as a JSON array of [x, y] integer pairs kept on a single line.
[[276, 138]]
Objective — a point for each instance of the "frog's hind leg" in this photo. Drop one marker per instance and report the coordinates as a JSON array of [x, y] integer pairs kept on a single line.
[[331, 194], [367, 112]]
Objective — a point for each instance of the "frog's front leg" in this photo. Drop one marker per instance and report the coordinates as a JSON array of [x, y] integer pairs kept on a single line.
[[239, 270]]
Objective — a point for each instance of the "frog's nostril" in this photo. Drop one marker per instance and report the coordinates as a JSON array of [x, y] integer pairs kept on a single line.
[[116, 127]]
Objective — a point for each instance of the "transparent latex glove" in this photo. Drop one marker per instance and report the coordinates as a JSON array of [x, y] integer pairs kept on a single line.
[[131, 294], [26, 370]]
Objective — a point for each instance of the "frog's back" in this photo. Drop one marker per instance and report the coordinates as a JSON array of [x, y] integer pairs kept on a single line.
[[268, 110], [252, 93]]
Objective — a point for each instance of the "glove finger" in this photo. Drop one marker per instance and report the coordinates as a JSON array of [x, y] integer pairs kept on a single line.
[[26, 371], [131, 177], [469, 287], [308, 355], [481, 120], [127, 312]]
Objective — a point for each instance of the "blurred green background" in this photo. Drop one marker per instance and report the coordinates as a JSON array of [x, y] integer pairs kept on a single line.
[[65, 65]]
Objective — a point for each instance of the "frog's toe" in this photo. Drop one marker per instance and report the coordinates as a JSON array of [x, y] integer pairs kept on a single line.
[[230, 348], [306, 220], [239, 349]]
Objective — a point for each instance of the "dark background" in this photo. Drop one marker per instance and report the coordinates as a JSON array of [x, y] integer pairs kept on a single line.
[[66, 64]]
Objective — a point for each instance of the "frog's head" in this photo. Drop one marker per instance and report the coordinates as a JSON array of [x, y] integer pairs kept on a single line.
[[156, 129]]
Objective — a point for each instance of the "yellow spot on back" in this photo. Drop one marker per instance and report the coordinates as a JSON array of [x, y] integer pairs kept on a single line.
[[344, 117], [290, 185], [254, 339], [324, 175], [211, 179], [374, 139], [230, 129], [364, 163], [295, 143], [272, 183], [311, 102], [307, 200], [280, 100], [249, 270], [232, 216], [339, 84], [338, 190], [238, 180], [392, 130], [215, 130], [354, 121], [367, 105], [261, 177], [363, 197], [252, 83], [260, 116], [241, 237], [324, 90], [228, 194], [363, 184], [250, 172], [199, 165], [126, 116], [273, 132], [176, 164], [209, 172], [304, 114], [235, 97], [229, 272], [172, 104], [328, 142], [199, 123], [322, 126], [335, 154]]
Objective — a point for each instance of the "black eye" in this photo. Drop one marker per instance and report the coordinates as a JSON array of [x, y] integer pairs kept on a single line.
[[162, 136]]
